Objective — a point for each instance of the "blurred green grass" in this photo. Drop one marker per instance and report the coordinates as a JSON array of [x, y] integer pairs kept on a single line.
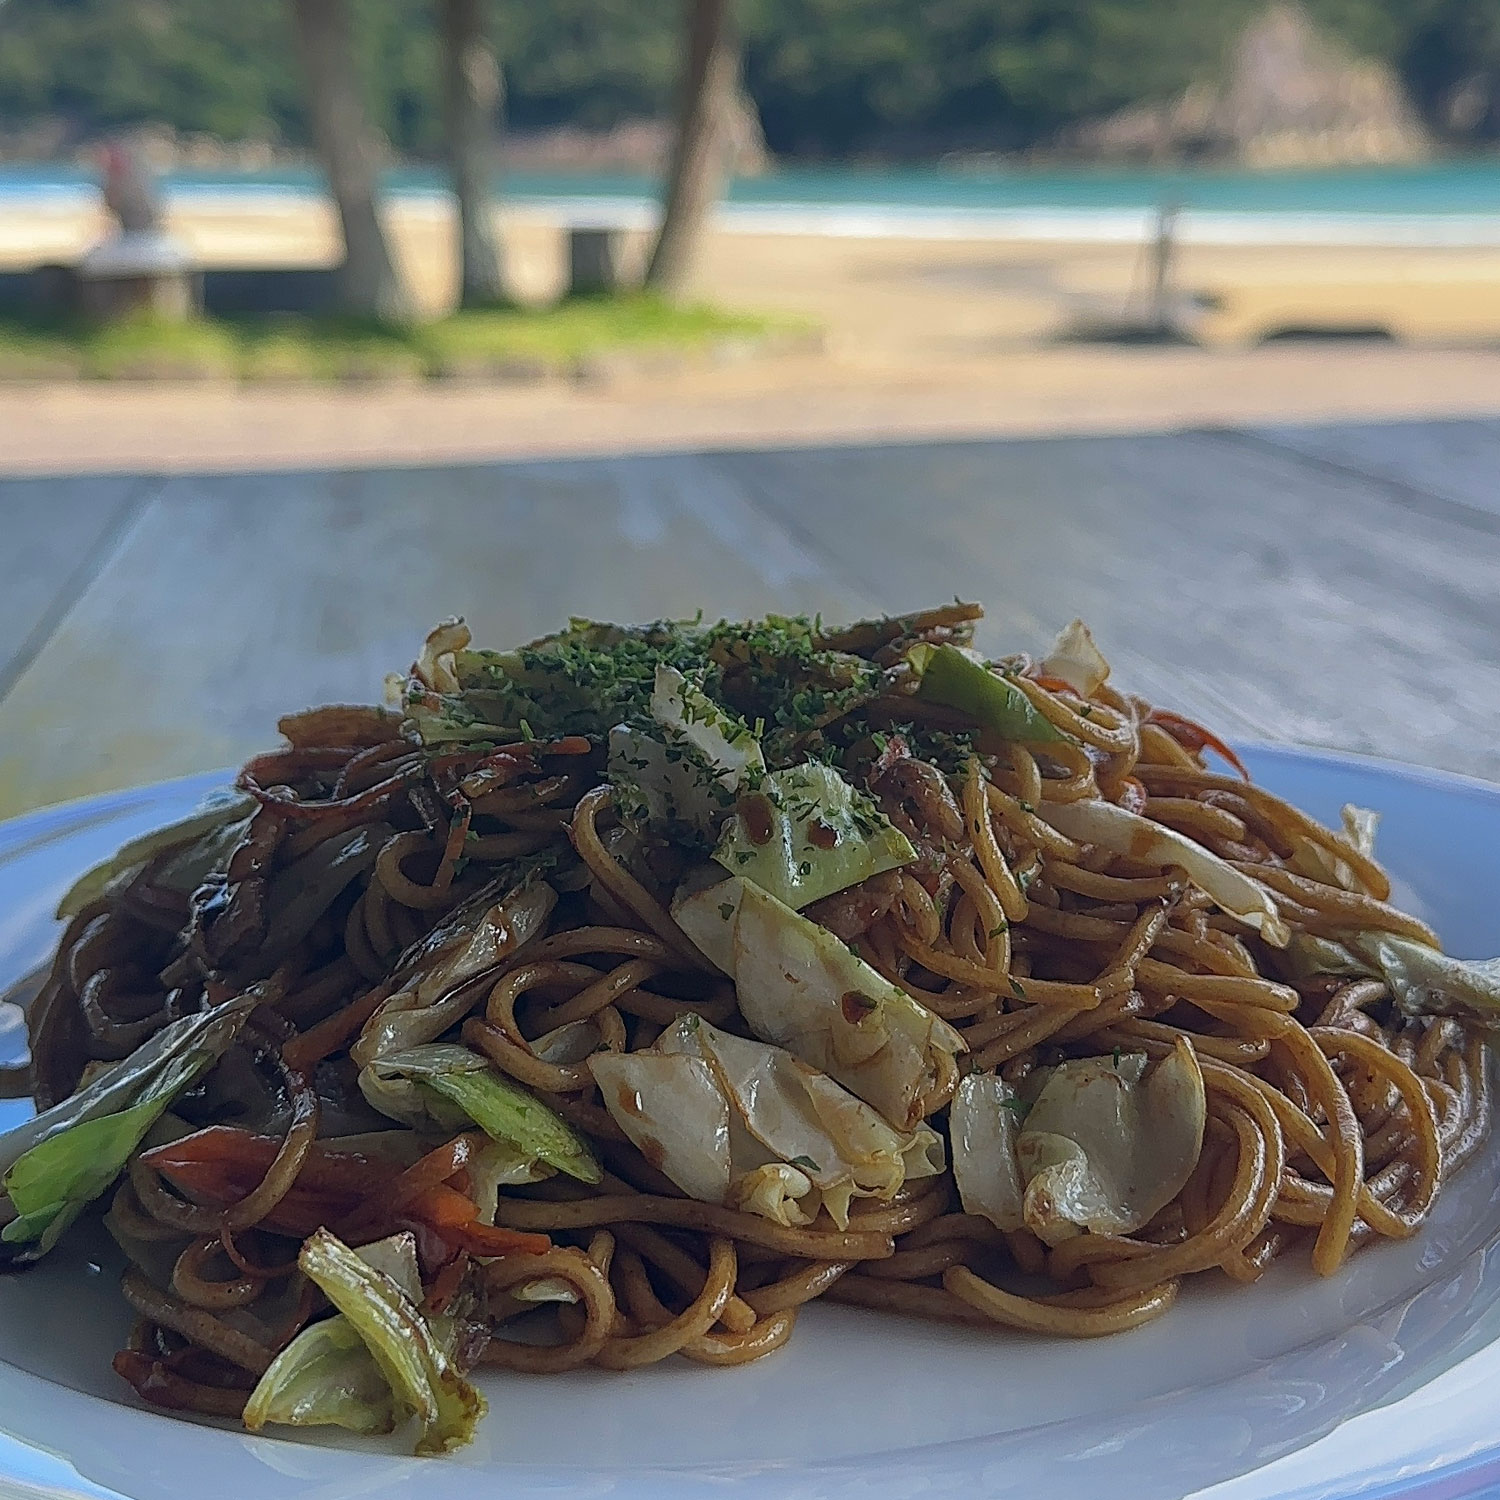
[[499, 343]]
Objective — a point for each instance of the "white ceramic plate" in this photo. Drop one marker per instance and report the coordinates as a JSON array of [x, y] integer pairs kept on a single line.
[[859, 1404]]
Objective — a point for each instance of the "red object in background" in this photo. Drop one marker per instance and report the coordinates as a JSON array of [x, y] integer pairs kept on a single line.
[[130, 190]]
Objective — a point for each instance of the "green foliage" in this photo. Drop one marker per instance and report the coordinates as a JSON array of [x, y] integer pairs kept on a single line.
[[145, 349], [229, 69], [829, 76], [196, 64], [1450, 56], [578, 328], [838, 75], [503, 342], [587, 62]]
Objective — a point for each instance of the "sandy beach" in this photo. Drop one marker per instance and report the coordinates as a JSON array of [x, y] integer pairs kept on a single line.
[[920, 337]]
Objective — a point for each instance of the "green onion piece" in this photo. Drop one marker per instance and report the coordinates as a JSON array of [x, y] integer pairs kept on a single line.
[[64, 1158], [509, 1113], [948, 676]]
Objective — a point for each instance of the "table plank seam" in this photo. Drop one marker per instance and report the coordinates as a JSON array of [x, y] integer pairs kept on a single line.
[[92, 562], [1411, 496]]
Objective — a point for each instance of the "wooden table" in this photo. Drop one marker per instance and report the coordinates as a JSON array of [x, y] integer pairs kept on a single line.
[[1335, 586]]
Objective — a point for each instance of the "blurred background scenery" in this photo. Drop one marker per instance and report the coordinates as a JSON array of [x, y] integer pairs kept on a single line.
[[371, 261], [324, 320], [877, 182]]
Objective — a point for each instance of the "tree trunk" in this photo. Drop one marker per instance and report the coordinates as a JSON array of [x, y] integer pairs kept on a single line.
[[370, 285], [471, 96], [699, 152]]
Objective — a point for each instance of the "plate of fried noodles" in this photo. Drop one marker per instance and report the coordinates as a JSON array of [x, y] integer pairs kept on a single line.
[[769, 1057]]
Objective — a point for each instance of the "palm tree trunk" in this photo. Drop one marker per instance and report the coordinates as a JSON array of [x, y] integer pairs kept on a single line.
[[699, 155], [471, 96], [370, 285]]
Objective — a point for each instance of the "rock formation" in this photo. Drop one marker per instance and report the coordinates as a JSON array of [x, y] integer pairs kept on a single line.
[[1289, 97]]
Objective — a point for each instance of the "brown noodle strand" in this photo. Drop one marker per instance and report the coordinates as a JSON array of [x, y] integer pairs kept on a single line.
[[764, 1338], [1351, 909], [1281, 814], [991, 859], [791, 1291], [587, 1213], [685, 1272], [195, 1325], [623, 887], [1036, 1316], [632, 1351], [911, 1298], [590, 1280], [193, 1287]]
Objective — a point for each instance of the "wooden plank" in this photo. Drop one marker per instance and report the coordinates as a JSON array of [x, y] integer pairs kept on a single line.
[[240, 598], [57, 534], [1227, 578], [1457, 461], [1224, 578]]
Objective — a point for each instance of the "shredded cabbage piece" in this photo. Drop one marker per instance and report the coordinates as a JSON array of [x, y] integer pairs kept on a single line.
[[678, 773], [1104, 1146], [800, 987], [1121, 831], [820, 836], [676, 1112], [1424, 981], [739, 1122], [680, 705], [1107, 1145], [326, 1377], [1076, 660], [422, 1382], [983, 1123], [436, 992], [451, 1086]]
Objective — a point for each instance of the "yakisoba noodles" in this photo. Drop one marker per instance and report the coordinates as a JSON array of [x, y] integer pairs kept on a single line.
[[611, 999]]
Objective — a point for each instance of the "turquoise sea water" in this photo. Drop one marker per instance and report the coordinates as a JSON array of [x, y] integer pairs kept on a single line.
[[1447, 203], [1461, 187]]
